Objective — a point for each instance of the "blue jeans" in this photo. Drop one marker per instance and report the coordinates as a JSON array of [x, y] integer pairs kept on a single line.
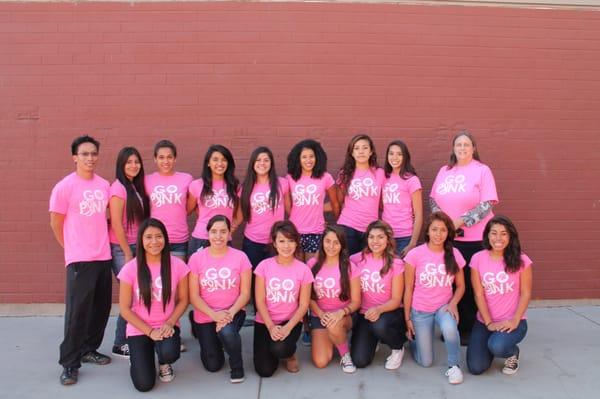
[[484, 345], [212, 343], [401, 243], [118, 260], [422, 346], [179, 249], [355, 240]]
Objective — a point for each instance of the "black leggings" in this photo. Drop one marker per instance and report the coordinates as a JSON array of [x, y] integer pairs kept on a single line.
[[389, 329], [212, 343], [467, 308], [141, 358], [268, 352]]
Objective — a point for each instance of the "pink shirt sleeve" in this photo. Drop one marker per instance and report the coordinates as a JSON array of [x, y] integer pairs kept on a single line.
[[307, 278], [118, 190], [58, 199], [195, 188], [328, 181], [128, 272], [260, 269], [414, 184], [460, 260], [398, 267], [488, 185]]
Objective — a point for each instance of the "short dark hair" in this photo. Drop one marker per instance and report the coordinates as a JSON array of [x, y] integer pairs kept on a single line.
[[165, 144], [83, 139]]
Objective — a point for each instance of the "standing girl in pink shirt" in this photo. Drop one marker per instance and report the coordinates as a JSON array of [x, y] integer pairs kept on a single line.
[[283, 285], [309, 183], [502, 280], [129, 206], [262, 203], [335, 297], [380, 317], [215, 193], [153, 295], [220, 281], [168, 191], [465, 190], [359, 185], [429, 272], [402, 197]]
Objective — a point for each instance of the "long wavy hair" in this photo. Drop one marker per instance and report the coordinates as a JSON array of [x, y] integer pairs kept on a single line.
[[347, 171], [250, 181], [137, 204], [512, 253], [452, 162], [406, 168], [294, 168], [143, 271], [231, 182], [449, 259], [343, 261], [389, 253]]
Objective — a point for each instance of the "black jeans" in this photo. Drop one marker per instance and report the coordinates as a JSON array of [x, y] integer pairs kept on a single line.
[[212, 343], [141, 358], [467, 308], [268, 352], [355, 239], [88, 300], [389, 329]]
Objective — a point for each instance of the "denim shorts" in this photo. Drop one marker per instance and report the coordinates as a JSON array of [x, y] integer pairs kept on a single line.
[[118, 257], [178, 249]]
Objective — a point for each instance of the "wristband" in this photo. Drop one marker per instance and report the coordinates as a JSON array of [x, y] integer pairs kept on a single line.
[[487, 324]]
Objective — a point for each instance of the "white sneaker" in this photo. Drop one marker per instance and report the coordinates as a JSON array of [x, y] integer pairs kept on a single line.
[[455, 375], [182, 348], [347, 364], [511, 365], [395, 359], [166, 373]]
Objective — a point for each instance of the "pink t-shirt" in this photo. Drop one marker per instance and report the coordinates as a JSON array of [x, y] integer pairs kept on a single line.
[[282, 284], [502, 289], [361, 204], [83, 202], [433, 287], [376, 290], [157, 315], [397, 203], [262, 216], [168, 201], [217, 204], [462, 188], [219, 279], [117, 189], [308, 198], [327, 286]]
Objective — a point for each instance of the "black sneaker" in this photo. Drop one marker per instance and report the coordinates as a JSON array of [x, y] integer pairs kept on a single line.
[[69, 376], [121, 350], [95, 357], [192, 329], [237, 376]]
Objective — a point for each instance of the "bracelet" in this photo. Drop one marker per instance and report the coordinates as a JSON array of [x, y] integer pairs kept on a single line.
[[150, 333], [487, 324]]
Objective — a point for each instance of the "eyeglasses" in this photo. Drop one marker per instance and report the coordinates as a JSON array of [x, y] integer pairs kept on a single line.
[[93, 154]]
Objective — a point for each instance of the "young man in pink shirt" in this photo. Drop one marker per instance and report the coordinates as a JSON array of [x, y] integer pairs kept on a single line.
[[78, 205]]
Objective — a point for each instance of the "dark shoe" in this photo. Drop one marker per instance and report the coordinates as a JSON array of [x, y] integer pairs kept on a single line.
[[192, 329], [121, 350], [69, 376], [95, 357], [237, 376]]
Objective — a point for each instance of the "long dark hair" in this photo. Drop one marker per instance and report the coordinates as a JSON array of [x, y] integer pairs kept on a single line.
[[343, 262], [452, 162], [294, 168], [449, 259], [137, 205], [143, 271], [347, 171], [250, 181], [512, 253], [231, 182], [389, 253], [406, 168], [289, 231]]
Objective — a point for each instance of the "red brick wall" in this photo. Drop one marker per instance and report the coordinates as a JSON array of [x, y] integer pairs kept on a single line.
[[526, 82]]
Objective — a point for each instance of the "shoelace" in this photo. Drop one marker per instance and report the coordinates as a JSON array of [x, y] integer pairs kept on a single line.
[[511, 362]]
